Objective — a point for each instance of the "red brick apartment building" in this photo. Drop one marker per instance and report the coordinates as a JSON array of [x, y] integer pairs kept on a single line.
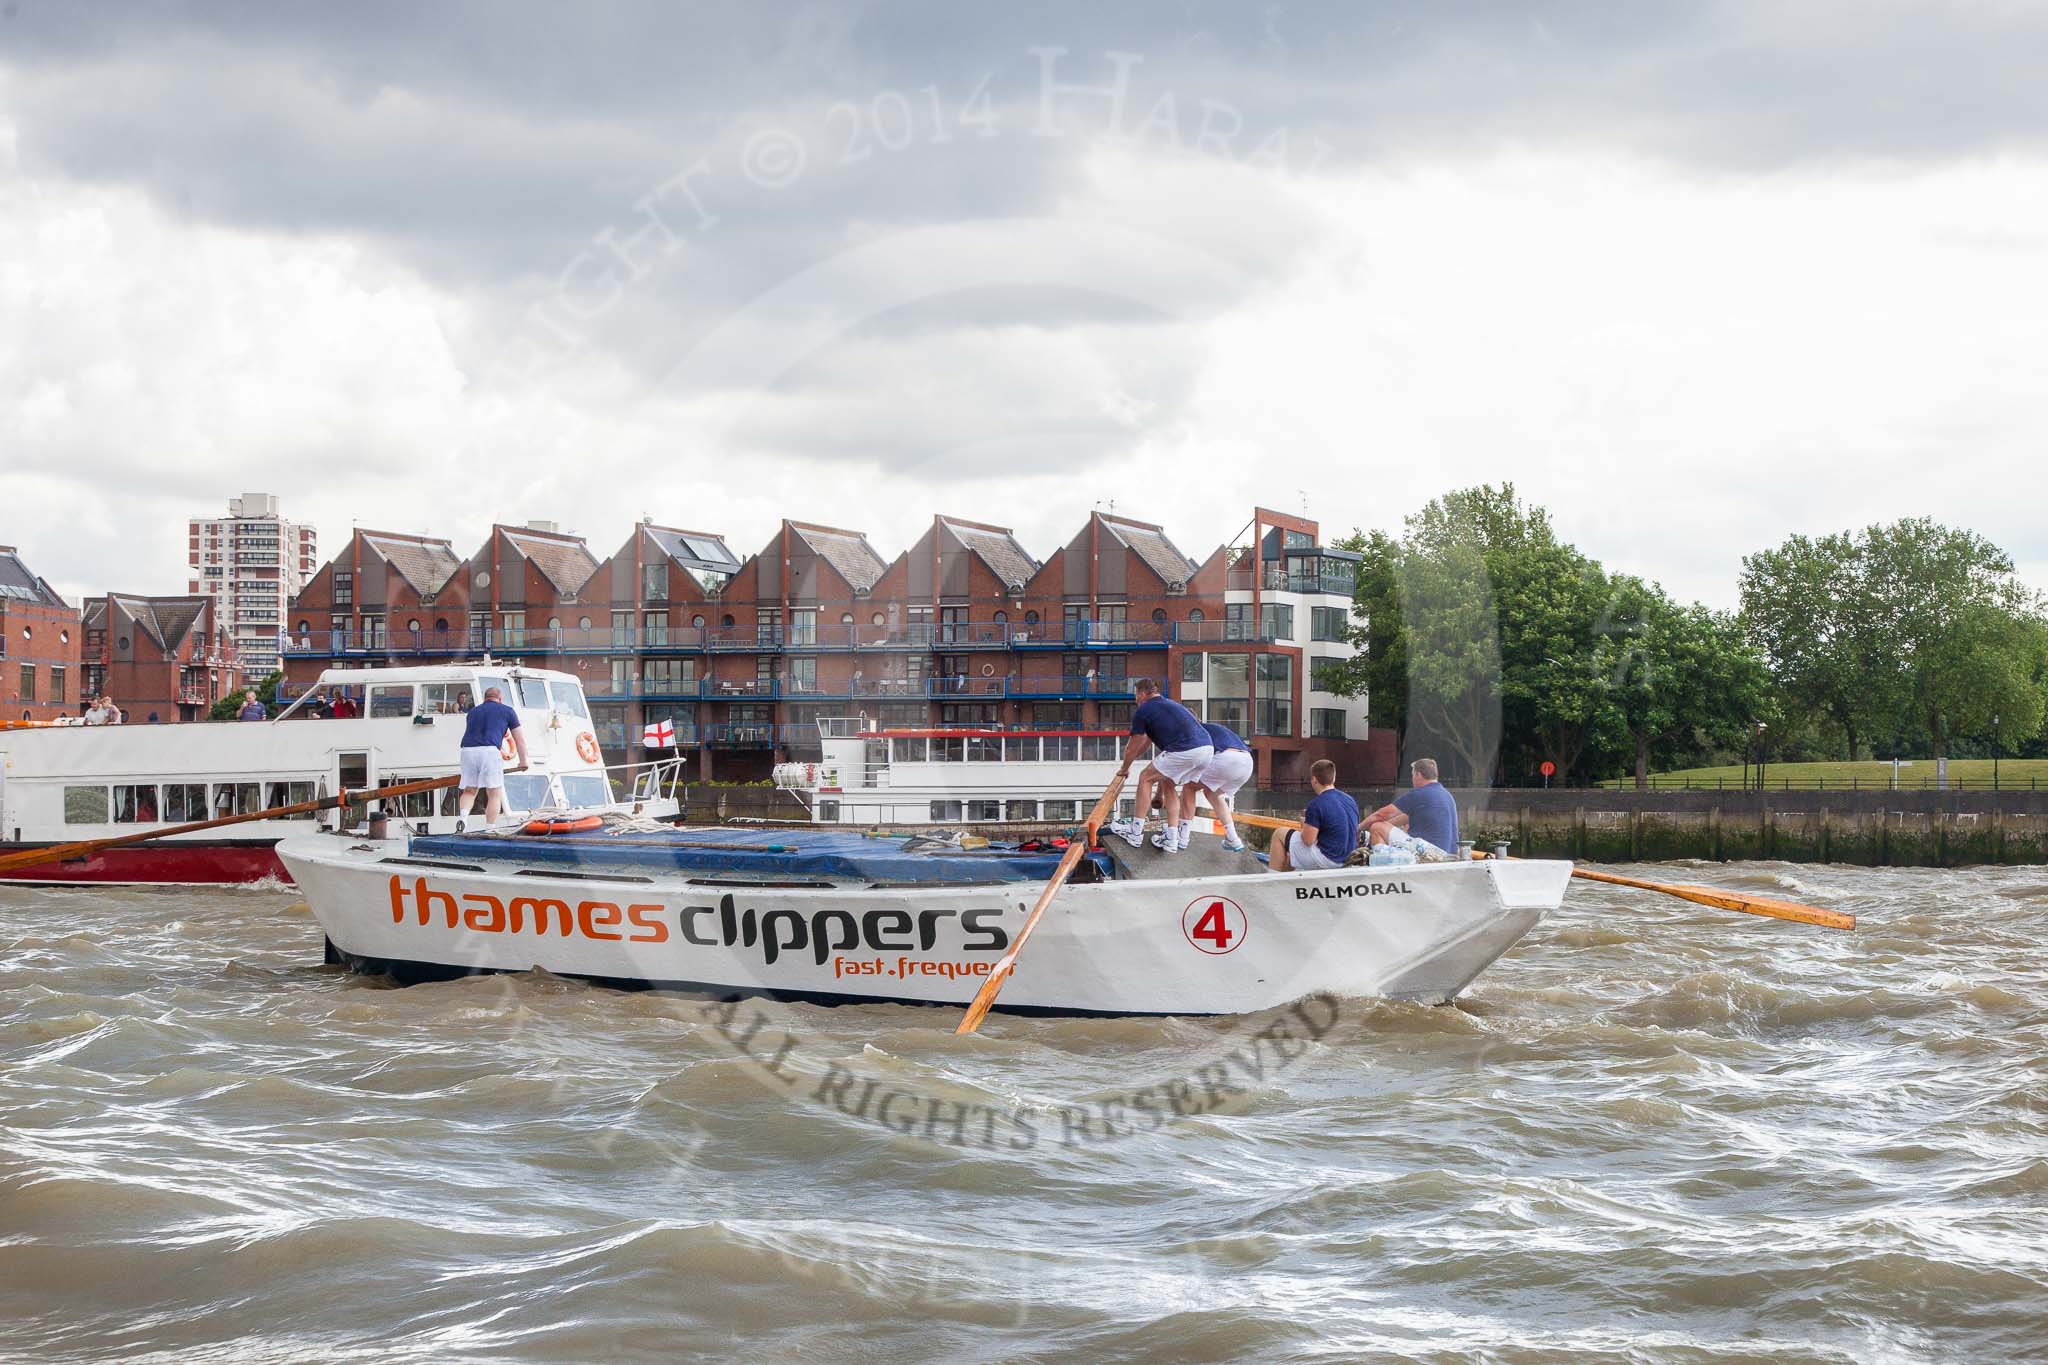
[[965, 628], [161, 659], [39, 645]]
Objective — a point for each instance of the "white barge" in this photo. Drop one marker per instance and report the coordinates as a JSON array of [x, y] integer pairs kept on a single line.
[[74, 783], [833, 916]]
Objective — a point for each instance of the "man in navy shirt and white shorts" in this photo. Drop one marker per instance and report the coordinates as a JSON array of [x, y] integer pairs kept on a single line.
[[1184, 752], [1424, 819], [483, 763], [1332, 827], [1228, 771]]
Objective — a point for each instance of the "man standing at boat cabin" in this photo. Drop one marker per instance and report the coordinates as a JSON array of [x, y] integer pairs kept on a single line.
[[1424, 818], [1184, 751], [1330, 827], [483, 762]]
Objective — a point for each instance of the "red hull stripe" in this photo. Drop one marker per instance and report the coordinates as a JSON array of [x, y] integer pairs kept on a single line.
[[180, 863]]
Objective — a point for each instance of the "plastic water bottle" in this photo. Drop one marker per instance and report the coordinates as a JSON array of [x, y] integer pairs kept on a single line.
[[1386, 855]]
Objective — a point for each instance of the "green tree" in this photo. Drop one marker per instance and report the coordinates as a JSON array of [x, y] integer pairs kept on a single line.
[[1686, 679], [266, 692], [1379, 669], [1813, 610], [1966, 636]]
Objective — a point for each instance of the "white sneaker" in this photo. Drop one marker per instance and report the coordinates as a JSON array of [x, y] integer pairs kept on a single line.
[[1186, 828], [1164, 842], [1233, 845], [1131, 832]]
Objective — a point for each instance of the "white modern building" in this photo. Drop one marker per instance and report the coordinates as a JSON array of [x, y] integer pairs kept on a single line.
[[253, 562]]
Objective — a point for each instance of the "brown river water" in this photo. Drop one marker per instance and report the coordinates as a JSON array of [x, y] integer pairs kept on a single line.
[[1650, 1132]]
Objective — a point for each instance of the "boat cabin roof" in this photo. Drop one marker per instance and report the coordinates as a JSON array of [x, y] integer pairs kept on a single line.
[[436, 673]]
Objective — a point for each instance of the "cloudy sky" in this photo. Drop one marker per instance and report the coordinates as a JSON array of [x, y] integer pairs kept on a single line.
[[1694, 276]]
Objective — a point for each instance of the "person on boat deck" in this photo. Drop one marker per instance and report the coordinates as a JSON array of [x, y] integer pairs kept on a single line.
[[341, 707], [1332, 827], [1424, 818], [96, 714], [1227, 772], [483, 766], [1184, 750], [252, 709]]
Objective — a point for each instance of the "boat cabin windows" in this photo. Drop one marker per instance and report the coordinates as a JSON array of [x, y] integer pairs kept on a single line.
[[184, 801], [288, 794], [1020, 810], [533, 694], [946, 810], [907, 750], [1062, 810], [984, 810], [949, 751], [1095, 748], [490, 680], [390, 701], [1062, 748], [135, 805], [984, 749], [237, 798], [828, 811], [526, 791], [585, 789], [1020, 749], [568, 698], [444, 699], [354, 771]]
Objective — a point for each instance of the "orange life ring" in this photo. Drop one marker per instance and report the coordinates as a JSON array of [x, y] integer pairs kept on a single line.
[[507, 749], [586, 747], [581, 824]]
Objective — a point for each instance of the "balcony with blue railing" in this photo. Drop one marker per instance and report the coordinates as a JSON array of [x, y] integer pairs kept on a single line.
[[752, 734], [667, 640], [1092, 635], [742, 639], [739, 689]]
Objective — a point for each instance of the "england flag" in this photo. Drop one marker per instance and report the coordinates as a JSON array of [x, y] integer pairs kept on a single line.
[[660, 734]]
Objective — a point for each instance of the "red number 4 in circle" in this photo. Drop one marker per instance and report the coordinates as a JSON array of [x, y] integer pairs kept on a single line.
[[1214, 924]]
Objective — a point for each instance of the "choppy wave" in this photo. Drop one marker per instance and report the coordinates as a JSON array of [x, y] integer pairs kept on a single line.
[[1653, 1131]]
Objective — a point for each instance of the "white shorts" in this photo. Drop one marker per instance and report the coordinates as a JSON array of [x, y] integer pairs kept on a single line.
[[1305, 856], [1180, 766], [483, 768], [1228, 771]]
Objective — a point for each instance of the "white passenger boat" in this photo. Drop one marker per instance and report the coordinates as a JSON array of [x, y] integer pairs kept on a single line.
[[834, 916], [868, 775], [62, 785]]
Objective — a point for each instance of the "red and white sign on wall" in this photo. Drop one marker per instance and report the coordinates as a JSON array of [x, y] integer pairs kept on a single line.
[[1215, 924]]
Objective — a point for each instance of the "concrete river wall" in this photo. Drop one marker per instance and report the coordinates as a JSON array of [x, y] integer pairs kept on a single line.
[[1869, 828]]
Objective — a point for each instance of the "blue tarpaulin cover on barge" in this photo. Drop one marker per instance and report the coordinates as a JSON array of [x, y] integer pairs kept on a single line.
[[757, 852]]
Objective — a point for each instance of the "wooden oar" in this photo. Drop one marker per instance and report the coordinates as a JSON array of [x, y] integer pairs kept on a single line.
[[1700, 895], [1729, 900], [85, 849], [986, 996]]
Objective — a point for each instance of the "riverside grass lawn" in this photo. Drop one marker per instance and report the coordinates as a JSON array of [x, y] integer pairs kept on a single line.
[[2013, 773]]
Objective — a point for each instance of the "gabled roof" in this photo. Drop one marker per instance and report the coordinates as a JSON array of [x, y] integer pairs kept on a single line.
[[848, 552], [1009, 561], [167, 621], [565, 560], [1150, 544], [425, 564], [18, 584], [693, 549]]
